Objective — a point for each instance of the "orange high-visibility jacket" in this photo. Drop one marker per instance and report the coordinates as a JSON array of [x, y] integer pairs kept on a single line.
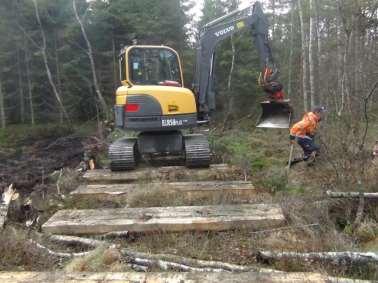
[[306, 126]]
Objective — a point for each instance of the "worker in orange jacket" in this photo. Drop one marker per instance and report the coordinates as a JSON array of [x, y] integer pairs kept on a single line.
[[303, 132]]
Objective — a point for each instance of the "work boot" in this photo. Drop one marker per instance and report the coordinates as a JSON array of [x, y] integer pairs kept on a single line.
[[311, 160], [295, 161]]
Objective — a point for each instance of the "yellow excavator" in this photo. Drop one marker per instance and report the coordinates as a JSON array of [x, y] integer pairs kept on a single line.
[[154, 103]]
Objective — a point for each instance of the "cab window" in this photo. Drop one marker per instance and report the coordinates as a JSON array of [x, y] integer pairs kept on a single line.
[[154, 66]]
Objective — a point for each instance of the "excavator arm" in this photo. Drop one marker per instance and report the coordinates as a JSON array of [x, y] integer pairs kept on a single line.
[[211, 34]]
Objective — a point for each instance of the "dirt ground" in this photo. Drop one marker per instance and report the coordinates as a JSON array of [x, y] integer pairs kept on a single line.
[[34, 168]]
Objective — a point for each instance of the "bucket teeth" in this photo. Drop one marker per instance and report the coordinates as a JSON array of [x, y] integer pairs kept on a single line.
[[122, 154]]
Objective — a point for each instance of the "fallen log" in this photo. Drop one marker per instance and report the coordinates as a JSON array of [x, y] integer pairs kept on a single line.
[[337, 258], [161, 261], [181, 173], [8, 196], [174, 262], [50, 252], [169, 219], [72, 240], [351, 195], [169, 277]]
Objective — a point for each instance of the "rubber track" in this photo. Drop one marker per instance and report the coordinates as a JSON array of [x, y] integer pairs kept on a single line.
[[197, 151], [122, 154]]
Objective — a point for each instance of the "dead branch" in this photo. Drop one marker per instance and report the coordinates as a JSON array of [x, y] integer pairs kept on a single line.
[[44, 249], [143, 261], [351, 195], [285, 228], [338, 258], [72, 240], [116, 234], [173, 262]]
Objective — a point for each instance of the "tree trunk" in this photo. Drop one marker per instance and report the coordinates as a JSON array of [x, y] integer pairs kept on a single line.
[[273, 24], [230, 104], [104, 107], [2, 107], [303, 55], [57, 71], [338, 258], [320, 55], [291, 50], [30, 88], [20, 87], [311, 55], [115, 69], [45, 61]]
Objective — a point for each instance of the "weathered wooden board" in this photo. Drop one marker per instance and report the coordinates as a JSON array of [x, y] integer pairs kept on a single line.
[[172, 173], [182, 218], [237, 190], [167, 277]]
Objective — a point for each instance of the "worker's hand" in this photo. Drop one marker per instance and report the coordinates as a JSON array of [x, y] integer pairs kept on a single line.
[[292, 141]]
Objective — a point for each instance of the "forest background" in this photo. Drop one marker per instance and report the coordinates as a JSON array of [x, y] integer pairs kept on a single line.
[[326, 51]]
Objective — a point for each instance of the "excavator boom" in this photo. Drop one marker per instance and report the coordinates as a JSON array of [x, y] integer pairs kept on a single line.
[[276, 111]]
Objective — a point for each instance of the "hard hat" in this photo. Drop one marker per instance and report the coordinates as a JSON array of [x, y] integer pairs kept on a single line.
[[319, 109]]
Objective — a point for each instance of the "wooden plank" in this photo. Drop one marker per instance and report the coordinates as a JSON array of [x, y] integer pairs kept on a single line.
[[237, 190], [169, 173], [168, 277], [182, 218]]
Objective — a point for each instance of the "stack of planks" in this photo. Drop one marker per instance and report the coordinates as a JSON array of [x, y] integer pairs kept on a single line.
[[214, 181]]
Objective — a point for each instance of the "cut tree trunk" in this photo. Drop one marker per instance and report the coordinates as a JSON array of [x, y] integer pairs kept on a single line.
[[169, 219], [351, 195], [337, 258]]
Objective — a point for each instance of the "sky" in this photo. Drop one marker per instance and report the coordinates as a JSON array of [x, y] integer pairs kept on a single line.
[[196, 11]]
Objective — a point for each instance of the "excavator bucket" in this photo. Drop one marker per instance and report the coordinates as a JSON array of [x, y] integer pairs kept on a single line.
[[275, 114]]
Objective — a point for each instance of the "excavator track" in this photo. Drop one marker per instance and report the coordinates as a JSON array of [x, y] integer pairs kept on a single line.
[[122, 154], [197, 151]]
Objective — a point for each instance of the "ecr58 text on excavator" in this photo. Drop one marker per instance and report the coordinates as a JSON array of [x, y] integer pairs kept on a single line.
[[154, 103]]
